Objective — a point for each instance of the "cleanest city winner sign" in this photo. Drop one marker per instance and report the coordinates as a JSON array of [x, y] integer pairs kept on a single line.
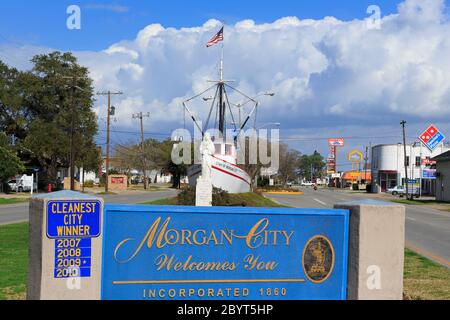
[[83, 249]]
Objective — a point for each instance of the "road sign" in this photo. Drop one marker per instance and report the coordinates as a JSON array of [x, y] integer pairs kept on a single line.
[[432, 137], [336, 142]]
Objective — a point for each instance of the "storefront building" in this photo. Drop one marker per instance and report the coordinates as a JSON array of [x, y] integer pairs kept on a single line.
[[443, 177], [388, 166]]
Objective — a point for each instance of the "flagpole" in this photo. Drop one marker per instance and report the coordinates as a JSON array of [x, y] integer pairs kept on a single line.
[[221, 59]]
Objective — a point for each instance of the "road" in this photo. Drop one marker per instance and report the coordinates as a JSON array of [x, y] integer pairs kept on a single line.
[[15, 213], [427, 229]]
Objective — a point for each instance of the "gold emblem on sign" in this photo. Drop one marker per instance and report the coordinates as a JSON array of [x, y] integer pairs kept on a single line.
[[318, 259]]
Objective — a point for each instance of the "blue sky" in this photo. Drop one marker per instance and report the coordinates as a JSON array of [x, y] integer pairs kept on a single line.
[[43, 22]]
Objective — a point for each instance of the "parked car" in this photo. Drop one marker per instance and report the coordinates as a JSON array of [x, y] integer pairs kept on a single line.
[[307, 184], [396, 190], [401, 191]]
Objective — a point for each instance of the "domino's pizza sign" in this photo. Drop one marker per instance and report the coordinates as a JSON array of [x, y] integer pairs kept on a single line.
[[431, 137]]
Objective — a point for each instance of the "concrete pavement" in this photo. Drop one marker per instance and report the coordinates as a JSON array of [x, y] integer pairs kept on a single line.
[[15, 213], [427, 229]]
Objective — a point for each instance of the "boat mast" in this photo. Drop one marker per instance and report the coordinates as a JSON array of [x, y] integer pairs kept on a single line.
[[222, 106]]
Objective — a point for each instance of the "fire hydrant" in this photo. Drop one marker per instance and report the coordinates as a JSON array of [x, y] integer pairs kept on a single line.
[[49, 188]]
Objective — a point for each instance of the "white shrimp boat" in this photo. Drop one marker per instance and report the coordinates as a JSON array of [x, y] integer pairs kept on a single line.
[[226, 174]]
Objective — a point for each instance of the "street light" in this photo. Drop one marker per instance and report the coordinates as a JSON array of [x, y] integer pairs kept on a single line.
[[240, 105]]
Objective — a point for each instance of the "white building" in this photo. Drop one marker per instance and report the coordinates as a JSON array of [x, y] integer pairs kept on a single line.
[[388, 166], [443, 177]]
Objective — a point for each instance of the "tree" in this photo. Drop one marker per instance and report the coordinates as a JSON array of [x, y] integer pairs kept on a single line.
[[312, 166], [10, 164], [247, 161], [90, 159], [14, 114], [289, 163], [164, 158], [58, 98]]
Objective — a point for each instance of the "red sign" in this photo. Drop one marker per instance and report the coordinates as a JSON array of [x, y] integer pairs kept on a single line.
[[336, 142], [116, 180], [428, 134], [427, 162]]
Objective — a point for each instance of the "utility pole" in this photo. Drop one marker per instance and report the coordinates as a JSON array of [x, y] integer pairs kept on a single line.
[[405, 162], [72, 130], [365, 164], [108, 133], [141, 117]]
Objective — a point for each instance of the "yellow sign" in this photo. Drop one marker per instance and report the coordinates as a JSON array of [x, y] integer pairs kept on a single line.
[[351, 156], [355, 157]]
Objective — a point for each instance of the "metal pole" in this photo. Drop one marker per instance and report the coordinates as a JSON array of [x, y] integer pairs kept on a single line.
[[144, 158], [108, 140], [405, 162], [72, 144], [421, 173]]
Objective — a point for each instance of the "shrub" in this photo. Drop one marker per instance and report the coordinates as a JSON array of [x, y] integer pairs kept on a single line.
[[89, 184], [187, 197], [221, 198]]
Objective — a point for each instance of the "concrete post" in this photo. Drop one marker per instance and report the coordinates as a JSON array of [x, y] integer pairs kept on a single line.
[[45, 281], [376, 250]]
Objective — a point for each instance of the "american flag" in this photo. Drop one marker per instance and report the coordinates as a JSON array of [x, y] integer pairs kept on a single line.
[[217, 38]]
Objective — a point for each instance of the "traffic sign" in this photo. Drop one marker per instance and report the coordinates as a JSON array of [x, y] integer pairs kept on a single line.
[[432, 137]]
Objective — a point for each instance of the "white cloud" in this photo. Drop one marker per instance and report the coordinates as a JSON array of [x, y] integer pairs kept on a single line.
[[326, 73]]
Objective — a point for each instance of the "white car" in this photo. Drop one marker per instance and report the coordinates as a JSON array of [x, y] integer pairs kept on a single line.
[[401, 191], [396, 190], [307, 184]]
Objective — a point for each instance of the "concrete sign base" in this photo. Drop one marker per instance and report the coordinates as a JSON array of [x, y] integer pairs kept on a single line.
[[376, 250], [65, 247]]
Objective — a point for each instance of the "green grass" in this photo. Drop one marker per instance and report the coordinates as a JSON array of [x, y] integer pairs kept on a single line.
[[13, 261], [162, 202], [253, 200], [425, 279], [420, 202], [12, 200], [237, 200]]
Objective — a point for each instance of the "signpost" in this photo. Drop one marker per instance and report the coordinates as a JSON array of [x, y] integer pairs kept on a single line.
[[431, 137], [334, 144]]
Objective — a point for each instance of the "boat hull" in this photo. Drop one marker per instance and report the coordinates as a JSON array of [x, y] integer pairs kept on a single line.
[[225, 176]]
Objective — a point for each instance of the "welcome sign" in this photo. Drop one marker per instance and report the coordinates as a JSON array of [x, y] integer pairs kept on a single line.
[[176, 253]]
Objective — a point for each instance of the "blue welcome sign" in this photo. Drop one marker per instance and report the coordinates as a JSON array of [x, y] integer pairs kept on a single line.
[[196, 253]]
